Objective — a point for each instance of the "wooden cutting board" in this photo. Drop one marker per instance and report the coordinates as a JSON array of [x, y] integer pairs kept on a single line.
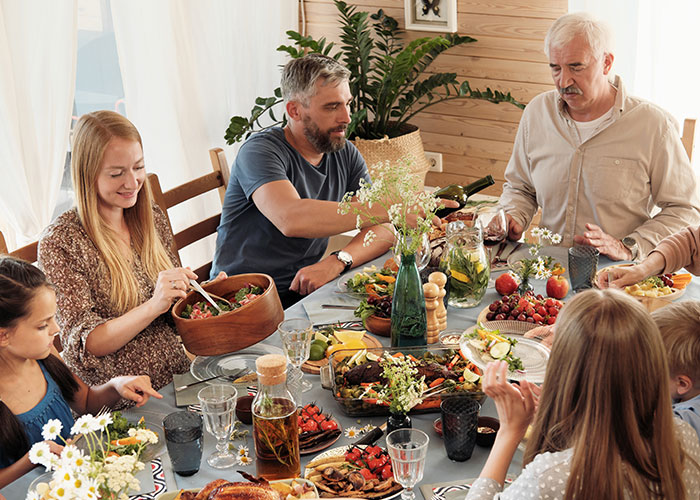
[[314, 367]]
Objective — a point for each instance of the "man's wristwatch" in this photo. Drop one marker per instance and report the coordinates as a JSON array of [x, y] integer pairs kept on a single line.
[[343, 257], [631, 245]]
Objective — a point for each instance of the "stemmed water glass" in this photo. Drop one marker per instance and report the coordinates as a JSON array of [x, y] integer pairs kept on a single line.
[[407, 449], [297, 334], [218, 406], [493, 222]]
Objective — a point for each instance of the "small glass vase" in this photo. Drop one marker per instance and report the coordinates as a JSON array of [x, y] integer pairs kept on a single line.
[[397, 420], [409, 325], [525, 286]]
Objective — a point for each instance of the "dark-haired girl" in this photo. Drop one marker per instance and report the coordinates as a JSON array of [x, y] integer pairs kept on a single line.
[[35, 385]]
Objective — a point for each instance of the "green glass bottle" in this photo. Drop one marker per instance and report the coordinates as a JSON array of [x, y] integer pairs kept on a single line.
[[461, 194]]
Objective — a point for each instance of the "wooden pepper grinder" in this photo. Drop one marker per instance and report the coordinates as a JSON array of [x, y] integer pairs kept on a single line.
[[440, 280], [432, 296]]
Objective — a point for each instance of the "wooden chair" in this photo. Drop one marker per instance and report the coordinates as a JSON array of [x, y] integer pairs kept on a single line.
[[218, 179], [688, 136]]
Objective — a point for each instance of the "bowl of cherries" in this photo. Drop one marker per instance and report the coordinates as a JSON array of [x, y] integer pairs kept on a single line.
[[379, 322]]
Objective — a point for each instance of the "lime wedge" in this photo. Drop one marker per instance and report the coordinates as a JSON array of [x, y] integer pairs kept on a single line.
[[500, 350], [470, 376]]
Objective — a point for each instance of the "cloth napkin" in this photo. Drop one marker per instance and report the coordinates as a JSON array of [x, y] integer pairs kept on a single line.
[[318, 315], [189, 395], [450, 490]]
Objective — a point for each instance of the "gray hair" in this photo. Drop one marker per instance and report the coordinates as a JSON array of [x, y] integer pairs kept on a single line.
[[300, 75], [596, 33]]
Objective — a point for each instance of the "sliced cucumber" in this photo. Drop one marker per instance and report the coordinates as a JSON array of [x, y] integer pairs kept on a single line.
[[470, 376], [500, 350]]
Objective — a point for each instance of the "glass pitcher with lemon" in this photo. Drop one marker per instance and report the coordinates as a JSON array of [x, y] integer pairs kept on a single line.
[[466, 264]]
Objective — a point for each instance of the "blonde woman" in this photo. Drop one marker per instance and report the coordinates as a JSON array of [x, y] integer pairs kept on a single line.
[[603, 425], [111, 263]]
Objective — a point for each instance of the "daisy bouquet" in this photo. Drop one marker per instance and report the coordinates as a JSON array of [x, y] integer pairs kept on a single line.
[[98, 472], [538, 266]]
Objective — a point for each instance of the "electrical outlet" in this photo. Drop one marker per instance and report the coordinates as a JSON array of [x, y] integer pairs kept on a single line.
[[435, 161]]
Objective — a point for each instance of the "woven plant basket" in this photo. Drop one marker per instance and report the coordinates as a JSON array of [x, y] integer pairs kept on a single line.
[[409, 145]]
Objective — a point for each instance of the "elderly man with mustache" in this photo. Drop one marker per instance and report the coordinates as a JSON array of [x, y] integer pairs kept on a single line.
[[607, 169], [281, 203]]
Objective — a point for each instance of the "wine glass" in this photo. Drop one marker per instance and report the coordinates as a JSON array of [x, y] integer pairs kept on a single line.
[[407, 449], [218, 406], [297, 334], [494, 223]]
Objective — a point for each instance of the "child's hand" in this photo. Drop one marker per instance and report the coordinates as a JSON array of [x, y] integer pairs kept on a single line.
[[516, 404], [136, 388], [55, 448]]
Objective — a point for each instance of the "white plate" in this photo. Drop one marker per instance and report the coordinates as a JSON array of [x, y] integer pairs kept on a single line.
[[533, 353], [170, 495], [342, 284], [676, 293], [559, 254], [339, 452], [204, 367]]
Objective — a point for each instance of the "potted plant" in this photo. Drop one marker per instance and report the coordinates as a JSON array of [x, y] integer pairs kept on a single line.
[[387, 82]]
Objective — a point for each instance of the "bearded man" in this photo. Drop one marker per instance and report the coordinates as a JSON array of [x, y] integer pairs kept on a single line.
[[607, 169], [281, 203]]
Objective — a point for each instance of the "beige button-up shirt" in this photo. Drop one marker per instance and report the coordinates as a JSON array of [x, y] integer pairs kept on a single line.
[[632, 164]]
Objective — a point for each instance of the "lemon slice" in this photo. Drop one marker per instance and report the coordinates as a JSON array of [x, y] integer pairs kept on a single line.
[[358, 357], [346, 336], [500, 350], [372, 357], [352, 344], [470, 376]]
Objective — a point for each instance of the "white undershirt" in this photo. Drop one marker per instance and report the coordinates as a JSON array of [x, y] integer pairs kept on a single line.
[[587, 129]]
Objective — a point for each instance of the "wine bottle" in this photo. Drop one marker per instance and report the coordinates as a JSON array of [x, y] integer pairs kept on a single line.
[[461, 194]]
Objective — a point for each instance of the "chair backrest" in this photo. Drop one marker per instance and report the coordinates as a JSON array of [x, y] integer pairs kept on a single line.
[[688, 136], [27, 252], [218, 179]]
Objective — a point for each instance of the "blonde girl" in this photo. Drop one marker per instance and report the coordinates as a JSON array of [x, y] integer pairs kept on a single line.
[[603, 428], [111, 261]]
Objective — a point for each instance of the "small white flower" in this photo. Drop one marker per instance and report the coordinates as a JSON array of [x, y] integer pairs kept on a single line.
[[52, 429], [533, 250], [244, 460], [366, 428], [33, 495], [84, 425], [242, 451], [40, 453], [546, 233], [104, 420], [556, 239], [536, 231], [351, 432]]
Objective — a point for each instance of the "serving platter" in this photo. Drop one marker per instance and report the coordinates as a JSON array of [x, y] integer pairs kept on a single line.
[[532, 352], [204, 367], [676, 293], [171, 495], [314, 367]]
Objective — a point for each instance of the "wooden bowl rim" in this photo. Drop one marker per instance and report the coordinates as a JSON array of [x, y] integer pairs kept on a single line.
[[268, 289]]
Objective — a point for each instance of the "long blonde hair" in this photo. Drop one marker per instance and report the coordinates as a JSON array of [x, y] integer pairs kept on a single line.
[[606, 395], [91, 135]]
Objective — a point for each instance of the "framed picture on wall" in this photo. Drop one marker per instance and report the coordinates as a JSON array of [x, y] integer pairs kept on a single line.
[[431, 15]]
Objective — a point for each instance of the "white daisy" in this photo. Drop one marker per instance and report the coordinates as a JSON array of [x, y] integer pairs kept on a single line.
[[84, 425], [40, 453], [546, 233], [52, 429], [536, 231], [366, 428], [104, 420], [351, 432], [33, 495], [556, 239], [533, 250], [243, 450], [244, 460]]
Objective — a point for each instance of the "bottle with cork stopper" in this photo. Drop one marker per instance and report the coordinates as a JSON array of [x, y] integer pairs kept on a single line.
[[275, 427]]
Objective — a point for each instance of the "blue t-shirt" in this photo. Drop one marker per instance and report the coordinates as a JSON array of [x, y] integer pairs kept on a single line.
[[247, 242], [689, 411], [52, 405]]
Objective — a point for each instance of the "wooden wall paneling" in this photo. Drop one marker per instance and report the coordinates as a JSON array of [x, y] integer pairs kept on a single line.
[[474, 137]]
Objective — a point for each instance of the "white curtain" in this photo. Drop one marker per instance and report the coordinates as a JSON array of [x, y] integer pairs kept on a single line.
[[187, 67], [37, 61], [656, 50]]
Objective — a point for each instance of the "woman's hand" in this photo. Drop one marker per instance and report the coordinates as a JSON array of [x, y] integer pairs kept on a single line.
[[55, 447], [516, 404], [171, 286], [136, 388], [544, 333]]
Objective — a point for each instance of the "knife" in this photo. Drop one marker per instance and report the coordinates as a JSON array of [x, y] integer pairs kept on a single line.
[[372, 435], [230, 376], [337, 306]]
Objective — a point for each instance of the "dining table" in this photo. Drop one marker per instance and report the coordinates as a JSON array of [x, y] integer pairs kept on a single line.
[[439, 469]]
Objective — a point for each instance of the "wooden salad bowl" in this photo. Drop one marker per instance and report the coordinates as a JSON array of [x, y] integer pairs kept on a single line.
[[234, 330]]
